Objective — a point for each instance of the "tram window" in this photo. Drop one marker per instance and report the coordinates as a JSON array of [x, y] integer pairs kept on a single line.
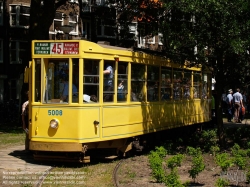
[[108, 90], [166, 78], [91, 80], [152, 83], [197, 81], [137, 82], [56, 84], [75, 80], [122, 87], [37, 80], [204, 86], [186, 83], [177, 80]]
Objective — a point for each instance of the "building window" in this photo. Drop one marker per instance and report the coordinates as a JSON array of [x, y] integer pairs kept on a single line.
[[160, 38], [61, 20], [57, 23], [1, 51], [1, 13], [1, 90], [73, 1], [19, 16], [151, 40], [73, 20], [18, 51], [106, 28]]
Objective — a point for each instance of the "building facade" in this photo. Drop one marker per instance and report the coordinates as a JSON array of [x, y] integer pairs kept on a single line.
[[94, 21]]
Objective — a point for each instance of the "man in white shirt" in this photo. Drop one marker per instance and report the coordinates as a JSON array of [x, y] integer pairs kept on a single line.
[[229, 101]]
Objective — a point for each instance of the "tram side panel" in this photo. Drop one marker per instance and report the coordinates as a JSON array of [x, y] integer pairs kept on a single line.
[[132, 120], [76, 124]]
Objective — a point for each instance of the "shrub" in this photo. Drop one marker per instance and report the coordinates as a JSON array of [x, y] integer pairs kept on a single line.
[[197, 162], [214, 150], [175, 161], [161, 151], [156, 165], [223, 161], [239, 156], [248, 175], [221, 182], [209, 139], [173, 179]]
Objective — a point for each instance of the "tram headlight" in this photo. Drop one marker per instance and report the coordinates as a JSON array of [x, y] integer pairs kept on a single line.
[[54, 123]]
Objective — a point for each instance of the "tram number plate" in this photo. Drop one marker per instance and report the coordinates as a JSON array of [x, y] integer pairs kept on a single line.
[[55, 112]]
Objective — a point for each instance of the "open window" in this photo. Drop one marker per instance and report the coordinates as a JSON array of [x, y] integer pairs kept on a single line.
[[166, 82], [153, 83], [137, 82], [122, 84], [91, 81]]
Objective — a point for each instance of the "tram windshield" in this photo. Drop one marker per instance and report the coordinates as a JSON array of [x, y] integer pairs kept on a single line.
[[56, 87]]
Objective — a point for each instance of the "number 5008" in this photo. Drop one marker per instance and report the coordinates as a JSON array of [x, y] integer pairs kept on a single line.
[[55, 112]]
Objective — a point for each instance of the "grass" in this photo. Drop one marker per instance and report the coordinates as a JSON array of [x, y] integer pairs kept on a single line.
[[81, 175], [11, 136]]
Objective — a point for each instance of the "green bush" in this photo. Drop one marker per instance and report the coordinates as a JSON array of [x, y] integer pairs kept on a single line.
[[248, 175], [240, 156], [209, 139], [214, 150], [161, 151], [221, 182], [175, 161], [224, 161], [173, 179], [156, 165], [197, 162]]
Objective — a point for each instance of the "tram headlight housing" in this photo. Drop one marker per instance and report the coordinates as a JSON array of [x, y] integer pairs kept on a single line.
[[54, 124]]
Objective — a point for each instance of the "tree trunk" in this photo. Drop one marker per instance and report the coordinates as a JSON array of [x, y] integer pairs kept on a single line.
[[219, 77]]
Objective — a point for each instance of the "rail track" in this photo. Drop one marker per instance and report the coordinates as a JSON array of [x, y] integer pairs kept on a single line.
[[43, 177], [40, 182], [114, 175]]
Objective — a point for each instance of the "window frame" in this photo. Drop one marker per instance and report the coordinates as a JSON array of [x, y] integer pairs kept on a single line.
[[1, 51], [18, 14], [18, 50], [1, 12], [72, 22]]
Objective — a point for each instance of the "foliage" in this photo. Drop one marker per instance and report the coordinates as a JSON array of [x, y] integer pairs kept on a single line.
[[42, 14], [173, 179], [214, 150], [209, 138], [211, 33], [224, 161], [197, 162], [169, 146], [155, 160], [161, 151], [239, 156], [221, 182], [175, 161], [248, 175]]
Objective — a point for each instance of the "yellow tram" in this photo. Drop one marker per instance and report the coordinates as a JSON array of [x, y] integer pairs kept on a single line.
[[76, 106]]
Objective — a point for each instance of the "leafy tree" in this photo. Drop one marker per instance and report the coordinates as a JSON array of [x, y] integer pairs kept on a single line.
[[211, 33], [42, 14]]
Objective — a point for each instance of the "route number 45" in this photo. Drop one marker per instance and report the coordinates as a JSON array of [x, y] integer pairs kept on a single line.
[[57, 48]]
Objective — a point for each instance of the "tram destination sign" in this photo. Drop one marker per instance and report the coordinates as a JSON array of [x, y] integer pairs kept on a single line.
[[48, 48]]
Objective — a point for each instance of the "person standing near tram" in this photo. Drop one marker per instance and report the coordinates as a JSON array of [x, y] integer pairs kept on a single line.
[[238, 103], [25, 120], [229, 101]]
